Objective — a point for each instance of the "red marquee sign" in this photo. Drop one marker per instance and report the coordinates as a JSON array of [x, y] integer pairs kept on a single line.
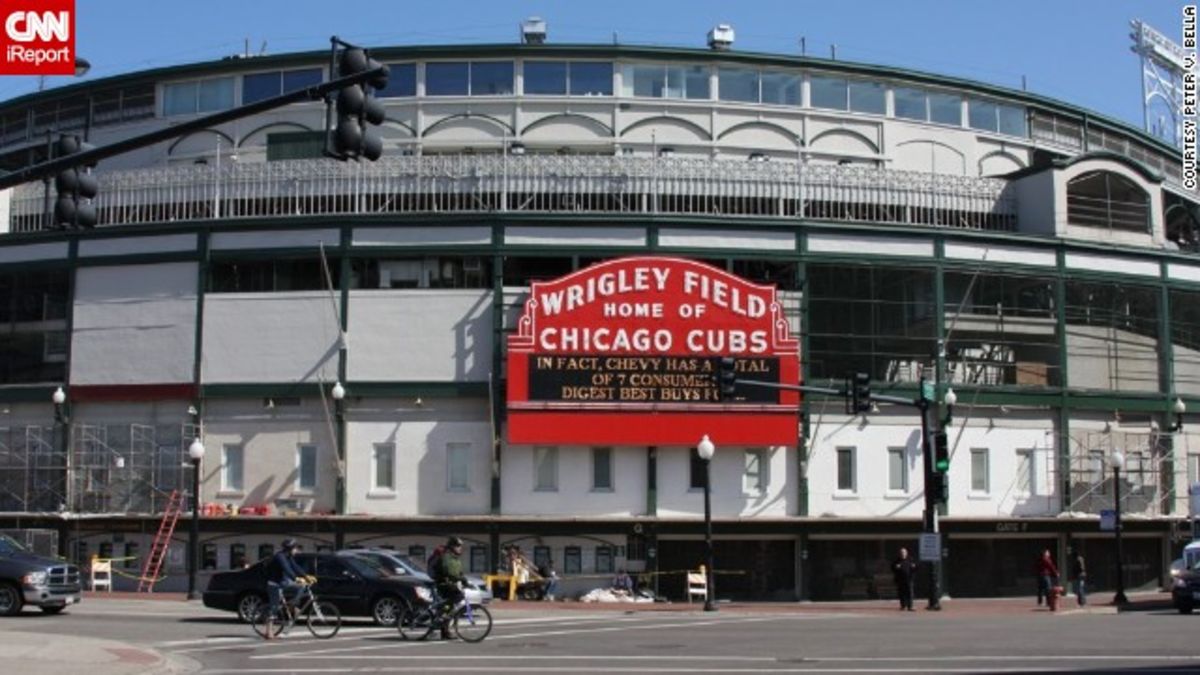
[[627, 352]]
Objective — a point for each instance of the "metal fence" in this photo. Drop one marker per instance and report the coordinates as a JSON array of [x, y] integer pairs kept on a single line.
[[538, 184]]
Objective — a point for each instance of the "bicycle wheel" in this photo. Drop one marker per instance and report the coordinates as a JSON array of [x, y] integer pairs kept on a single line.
[[324, 620], [415, 624], [259, 623], [472, 623]]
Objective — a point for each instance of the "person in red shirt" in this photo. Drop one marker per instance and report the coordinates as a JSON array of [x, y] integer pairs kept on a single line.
[[1047, 573]]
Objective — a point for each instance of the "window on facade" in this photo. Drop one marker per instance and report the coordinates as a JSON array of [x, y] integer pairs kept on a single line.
[[1185, 338], [877, 320], [524, 271], [265, 551], [996, 117], [479, 559], [545, 469], [604, 560], [696, 471], [1025, 479], [979, 470], [1014, 340], [541, 556], [1107, 200], [402, 81], [271, 276], [131, 556], [897, 470], [945, 109], [208, 556], [237, 556], [738, 84], [447, 78], [416, 553], [1193, 468], [231, 468], [1112, 336], [910, 103], [754, 473], [827, 92], [868, 97], [778, 273], [1134, 474], [198, 96], [572, 560], [491, 78], [846, 479], [602, 466], [422, 272], [33, 337], [385, 466], [665, 81], [261, 86], [781, 88], [306, 467], [579, 78], [458, 467], [105, 550]]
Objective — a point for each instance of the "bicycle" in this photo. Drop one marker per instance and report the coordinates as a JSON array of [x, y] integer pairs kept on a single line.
[[322, 617], [470, 622]]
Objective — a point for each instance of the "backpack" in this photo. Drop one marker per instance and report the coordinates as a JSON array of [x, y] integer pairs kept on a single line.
[[435, 558]]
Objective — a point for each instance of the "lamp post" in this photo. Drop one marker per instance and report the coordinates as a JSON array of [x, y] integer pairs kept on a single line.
[[705, 449], [1178, 408], [1117, 461], [338, 392], [196, 453], [62, 424]]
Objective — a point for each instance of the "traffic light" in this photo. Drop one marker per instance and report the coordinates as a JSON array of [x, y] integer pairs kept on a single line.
[[941, 452], [76, 187], [939, 487], [356, 109], [727, 379], [861, 394]]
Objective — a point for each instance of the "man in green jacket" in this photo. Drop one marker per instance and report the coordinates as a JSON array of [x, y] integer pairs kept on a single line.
[[448, 575]]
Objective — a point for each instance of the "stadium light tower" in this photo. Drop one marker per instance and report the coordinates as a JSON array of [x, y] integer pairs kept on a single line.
[[1162, 79]]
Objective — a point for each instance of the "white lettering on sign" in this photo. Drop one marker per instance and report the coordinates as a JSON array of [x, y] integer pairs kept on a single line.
[[44, 26]]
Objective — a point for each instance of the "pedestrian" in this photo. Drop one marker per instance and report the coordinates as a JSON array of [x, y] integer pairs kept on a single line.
[[1047, 575], [550, 577], [904, 570], [1079, 571]]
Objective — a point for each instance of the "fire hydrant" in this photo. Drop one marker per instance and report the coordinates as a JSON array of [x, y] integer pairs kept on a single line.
[[1052, 597]]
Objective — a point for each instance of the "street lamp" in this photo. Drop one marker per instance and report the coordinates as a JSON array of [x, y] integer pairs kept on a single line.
[[196, 453], [705, 449], [1179, 408], [1117, 461], [339, 412], [950, 399]]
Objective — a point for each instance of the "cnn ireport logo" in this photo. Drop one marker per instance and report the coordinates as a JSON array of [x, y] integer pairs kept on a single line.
[[38, 37]]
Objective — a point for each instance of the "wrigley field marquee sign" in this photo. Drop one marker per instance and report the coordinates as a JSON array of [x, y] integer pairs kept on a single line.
[[628, 351]]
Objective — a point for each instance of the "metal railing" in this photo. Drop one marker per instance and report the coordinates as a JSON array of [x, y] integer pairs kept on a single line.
[[538, 184]]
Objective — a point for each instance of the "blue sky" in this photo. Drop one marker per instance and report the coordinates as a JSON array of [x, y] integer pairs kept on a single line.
[[1073, 50]]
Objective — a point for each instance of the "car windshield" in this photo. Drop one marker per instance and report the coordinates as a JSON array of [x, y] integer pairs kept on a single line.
[[368, 567], [8, 546]]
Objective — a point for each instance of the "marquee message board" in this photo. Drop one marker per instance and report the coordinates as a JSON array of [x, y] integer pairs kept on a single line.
[[627, 352]]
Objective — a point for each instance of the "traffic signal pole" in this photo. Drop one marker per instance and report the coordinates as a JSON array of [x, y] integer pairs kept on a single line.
[[91, 156]]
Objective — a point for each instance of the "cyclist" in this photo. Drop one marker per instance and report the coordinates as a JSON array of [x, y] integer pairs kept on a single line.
[[284, 574], [448, 575]]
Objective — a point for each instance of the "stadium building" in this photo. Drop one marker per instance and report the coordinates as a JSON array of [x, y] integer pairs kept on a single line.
[[1039, 259]]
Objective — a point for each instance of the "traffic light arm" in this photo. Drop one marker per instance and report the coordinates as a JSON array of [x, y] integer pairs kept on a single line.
[[89, 157], [829, 391]]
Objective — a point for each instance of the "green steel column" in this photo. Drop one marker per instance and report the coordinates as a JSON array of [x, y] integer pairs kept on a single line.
[[939, 355], [1166, 352], [652, 481], [497, 384], [1064, 399]]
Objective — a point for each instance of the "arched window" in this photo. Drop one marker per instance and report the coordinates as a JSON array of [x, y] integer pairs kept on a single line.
[[1109, 200]]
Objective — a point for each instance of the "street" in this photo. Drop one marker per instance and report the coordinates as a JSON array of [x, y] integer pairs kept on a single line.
[[1012, 636]]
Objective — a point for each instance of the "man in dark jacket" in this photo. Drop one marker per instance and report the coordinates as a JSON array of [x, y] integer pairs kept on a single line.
[[448, 576], [283, 576], [903, 571]]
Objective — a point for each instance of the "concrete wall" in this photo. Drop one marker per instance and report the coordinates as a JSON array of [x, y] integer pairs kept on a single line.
[[134, 324], [574, 495], [269, 337], [420, 335], [676, 497]]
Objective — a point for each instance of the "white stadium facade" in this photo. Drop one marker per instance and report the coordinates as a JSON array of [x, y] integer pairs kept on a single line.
[[1041, 260]]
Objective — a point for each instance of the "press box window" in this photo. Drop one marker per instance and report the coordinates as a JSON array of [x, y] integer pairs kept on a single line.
[[737, 84], [197, 96], [402, 81], [261, 86], [665, 81], [579, 78]]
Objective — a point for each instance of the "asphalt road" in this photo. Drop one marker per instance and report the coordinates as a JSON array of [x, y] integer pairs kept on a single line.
[[770, 639]]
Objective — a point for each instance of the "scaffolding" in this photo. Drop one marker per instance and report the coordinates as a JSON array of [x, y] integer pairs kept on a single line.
[[1147, 479], [33, 470]]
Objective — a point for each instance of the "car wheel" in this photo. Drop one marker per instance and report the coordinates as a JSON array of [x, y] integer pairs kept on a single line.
[[387, 609], [56, 609], [10, 600], [248, 606], [1185, 609]]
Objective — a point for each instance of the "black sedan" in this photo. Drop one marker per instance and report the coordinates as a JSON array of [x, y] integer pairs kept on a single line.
[[357, 586], [1185, 590]]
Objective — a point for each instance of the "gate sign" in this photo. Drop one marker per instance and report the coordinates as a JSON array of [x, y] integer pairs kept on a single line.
[[628, 352]]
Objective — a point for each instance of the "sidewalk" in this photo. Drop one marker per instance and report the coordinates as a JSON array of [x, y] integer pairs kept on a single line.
[[33, 653]]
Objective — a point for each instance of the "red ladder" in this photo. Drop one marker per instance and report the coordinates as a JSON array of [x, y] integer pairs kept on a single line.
[[162, 541]]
